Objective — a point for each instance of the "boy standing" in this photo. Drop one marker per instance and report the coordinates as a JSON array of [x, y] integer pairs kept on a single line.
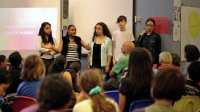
[[120, 36]]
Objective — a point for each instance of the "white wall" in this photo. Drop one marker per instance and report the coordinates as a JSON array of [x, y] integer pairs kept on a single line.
[[84, 14]]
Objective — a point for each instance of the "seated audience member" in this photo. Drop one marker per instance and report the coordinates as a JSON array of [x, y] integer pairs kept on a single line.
[[59, 66], [75, 69], [176, 61], [3, 62], [32, 72], [165, 60], [91, 86], [191, 54], [5, 81], [167, 87], [136, 85], [191, 84], [54, 95], [14, 70], [117, 70]]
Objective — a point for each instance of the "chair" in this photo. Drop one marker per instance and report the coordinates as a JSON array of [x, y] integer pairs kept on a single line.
[[140, 104], [21, 102], [114, 94]]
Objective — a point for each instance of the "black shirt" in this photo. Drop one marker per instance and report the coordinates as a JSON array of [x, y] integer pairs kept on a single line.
[[96, 59], [132, 93], [152, 43]]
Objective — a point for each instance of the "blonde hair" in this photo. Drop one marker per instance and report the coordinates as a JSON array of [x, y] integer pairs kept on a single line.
[[165, 58], [89, 80], [33, 68]]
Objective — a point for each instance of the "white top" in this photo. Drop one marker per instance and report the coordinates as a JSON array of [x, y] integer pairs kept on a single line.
[[118, 39], [43, 50], [106, 50], [86, 106]]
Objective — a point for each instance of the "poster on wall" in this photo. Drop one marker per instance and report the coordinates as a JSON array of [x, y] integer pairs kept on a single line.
[[190, 27], [162, 25]]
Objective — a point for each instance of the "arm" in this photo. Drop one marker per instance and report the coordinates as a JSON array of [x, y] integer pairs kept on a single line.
[[39, 46], [68, 77], [59, 48], [122, 102], [86, 46], [109, 51], [112, 73], [139, 39], [88, 60]]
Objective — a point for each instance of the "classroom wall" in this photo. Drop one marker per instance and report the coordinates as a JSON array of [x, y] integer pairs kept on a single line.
[[149, 8]]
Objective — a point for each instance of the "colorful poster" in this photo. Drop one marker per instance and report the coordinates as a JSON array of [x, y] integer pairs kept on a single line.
[[162, 25], [190, 27]]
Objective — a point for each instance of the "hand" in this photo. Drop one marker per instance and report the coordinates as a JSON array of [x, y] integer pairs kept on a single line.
[[47, 53], [88, 66], [48, 46], [107, 69], [143, 32]]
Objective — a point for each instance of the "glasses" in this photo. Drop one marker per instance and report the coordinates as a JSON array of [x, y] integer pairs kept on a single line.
[[150, 25]]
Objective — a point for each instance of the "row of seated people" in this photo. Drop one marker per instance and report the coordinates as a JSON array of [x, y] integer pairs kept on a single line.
[[140, 70]]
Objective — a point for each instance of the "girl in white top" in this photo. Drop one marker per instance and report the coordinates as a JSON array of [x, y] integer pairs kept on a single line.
[[46, 44], [91, 84]]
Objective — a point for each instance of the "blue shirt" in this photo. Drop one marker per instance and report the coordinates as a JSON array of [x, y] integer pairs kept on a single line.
[[106, 50], [28, 88]]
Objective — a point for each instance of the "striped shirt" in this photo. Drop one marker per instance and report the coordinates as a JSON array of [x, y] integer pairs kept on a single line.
[[72, 54]]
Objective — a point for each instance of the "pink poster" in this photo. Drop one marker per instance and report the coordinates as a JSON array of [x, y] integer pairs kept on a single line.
[[162, 25]]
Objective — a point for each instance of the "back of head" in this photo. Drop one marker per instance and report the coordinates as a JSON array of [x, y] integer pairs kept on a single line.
[[4, 77], [55, 93], [2, 58], [194, 71], [15, 59], [33, 68], [140, 68], [91, 83], [58, 65], [5, 81], [129, 45], [165, 58], [191, 53], [168, 84], [176, 60]]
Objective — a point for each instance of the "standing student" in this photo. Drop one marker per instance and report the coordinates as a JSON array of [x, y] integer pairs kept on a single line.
[[46, 44], [101, 48], [150, 40], [120, 36], [72, 46]]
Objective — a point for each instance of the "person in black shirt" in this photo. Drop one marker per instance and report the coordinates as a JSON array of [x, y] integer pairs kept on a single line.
[[150, 40], [136, 85], [15, 60]]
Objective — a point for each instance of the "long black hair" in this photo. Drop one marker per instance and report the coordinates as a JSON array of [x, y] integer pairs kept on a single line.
[[106, 31], [42, 34], [140, 69], [58, 65], [55, 93]]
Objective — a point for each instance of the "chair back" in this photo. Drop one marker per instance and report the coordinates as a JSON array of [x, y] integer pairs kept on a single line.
[[21, 102], [140, 104], [114, 94], [187, 104]]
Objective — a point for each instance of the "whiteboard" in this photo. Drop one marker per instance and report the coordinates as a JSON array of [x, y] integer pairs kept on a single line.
[[84, 14], [190, 27]]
